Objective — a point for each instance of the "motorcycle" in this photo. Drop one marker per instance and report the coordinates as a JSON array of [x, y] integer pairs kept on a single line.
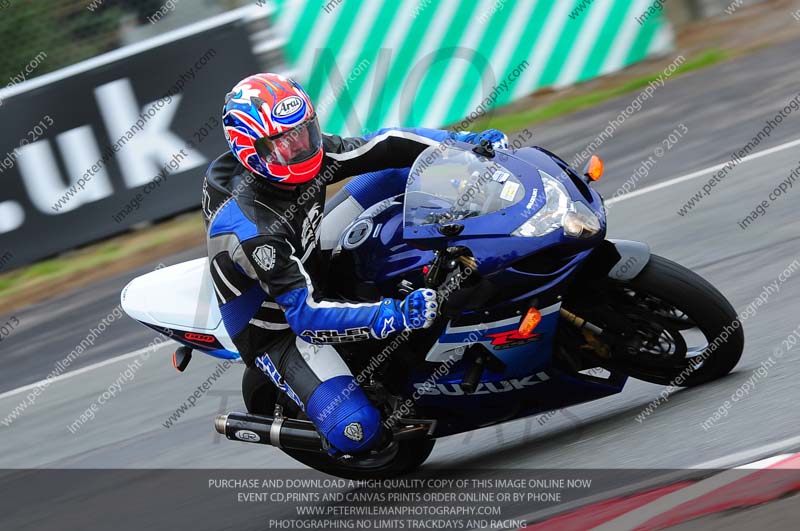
[[539, 310]]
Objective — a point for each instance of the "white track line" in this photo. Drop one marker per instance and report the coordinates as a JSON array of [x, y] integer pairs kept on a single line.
[[82, 370], [695, 175], [754, 453]]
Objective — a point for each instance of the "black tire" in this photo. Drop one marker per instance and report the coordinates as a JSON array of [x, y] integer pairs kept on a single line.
[[707, 307], [259, 397]]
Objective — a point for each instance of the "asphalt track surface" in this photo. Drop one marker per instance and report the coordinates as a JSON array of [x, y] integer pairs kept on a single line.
[[722, 108]]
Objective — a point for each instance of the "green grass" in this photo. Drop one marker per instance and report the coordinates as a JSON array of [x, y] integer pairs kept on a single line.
[[95, 256], [517, 121], [57, 267]]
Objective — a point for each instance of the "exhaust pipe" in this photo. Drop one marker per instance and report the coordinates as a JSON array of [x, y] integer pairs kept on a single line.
[[280, 432]]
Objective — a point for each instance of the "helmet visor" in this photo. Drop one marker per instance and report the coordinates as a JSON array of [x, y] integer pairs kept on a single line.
[[293, 146]]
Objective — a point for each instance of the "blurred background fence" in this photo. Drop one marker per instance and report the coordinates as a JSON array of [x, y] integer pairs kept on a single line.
[[375, 63], [69, 31]]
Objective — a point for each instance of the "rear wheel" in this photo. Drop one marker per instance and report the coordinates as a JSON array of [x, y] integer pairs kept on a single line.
[[400, 457], [673, 327]]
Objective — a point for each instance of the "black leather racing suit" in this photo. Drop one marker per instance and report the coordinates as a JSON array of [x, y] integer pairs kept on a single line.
[[265, 264]]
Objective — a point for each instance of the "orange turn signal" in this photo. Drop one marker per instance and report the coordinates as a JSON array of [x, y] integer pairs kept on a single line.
[[595, 168], [530, 322]]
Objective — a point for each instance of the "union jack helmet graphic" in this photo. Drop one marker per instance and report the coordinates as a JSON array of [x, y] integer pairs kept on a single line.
[[272, 129]]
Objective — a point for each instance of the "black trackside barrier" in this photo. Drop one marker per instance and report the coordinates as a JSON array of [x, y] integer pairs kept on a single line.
[[123, 138]]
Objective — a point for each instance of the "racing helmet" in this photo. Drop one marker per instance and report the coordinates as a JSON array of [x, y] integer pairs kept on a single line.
[[272, 129]]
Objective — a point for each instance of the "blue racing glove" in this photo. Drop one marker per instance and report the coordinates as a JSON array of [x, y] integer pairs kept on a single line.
[[418, 310], [498, 139]]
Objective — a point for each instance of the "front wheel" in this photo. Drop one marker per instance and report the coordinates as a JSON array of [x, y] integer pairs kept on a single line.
[[677, 329]]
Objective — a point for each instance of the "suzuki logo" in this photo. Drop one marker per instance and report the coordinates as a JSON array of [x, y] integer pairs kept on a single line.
[[483, 388], [511, 339]]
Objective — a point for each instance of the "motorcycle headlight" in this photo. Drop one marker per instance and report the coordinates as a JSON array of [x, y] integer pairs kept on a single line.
[[550, 217], [580, 222], [577, 220]]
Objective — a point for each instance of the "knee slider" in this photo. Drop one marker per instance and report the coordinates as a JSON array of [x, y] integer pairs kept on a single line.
[[349, 422]]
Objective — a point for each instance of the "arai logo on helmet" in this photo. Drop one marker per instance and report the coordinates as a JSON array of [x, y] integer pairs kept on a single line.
[[288, 107]]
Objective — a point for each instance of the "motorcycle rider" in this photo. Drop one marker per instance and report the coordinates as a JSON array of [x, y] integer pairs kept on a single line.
[[263, 203]]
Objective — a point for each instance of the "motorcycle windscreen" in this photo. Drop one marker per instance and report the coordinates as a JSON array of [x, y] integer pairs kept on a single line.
[[452, 185]]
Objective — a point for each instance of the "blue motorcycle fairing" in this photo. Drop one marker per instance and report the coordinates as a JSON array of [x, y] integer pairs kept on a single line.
[[525, 165], [521, 356], [523, 271], [530, 384], [384, 257], [457, 412]]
